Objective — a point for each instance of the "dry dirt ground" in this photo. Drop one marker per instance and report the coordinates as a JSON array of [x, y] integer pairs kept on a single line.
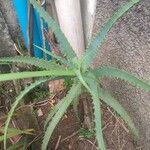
[[68, 134]]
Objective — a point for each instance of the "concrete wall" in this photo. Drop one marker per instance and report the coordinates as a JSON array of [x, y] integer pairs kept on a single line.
[[128, 48]]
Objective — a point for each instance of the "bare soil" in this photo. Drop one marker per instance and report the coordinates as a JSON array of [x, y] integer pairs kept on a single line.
[[67, 135]]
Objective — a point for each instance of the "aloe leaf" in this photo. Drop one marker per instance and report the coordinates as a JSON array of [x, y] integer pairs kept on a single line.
[[98, 118], [75, 104], [91, 51], [65, 46], [53, 112], [80, 77], [5, 63], [30, 61], [68, 100], [60, 59], [93, 90], [113, 103], [123, 75], [15, 104], [23, 75], [56, 108]]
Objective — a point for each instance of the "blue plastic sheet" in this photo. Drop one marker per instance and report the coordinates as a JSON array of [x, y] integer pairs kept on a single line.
[[21, 7]]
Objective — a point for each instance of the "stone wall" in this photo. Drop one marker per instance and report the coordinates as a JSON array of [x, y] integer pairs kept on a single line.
[[6, 43], [9, 15], [128, 48]]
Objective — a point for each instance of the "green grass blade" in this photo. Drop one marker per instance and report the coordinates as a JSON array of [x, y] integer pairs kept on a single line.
[[64, 44], [12, 132], [25, 143], [31, 74], [117, 73], [113, 103], [15, 146], [68, 100], [91, 51], [30, 61], [15, 104]]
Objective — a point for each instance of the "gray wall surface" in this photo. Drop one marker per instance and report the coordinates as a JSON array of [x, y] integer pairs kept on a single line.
[[6, 43], [9, 15], [128, 48]]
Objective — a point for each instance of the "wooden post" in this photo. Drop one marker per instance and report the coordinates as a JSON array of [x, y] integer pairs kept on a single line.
[[69, 16]]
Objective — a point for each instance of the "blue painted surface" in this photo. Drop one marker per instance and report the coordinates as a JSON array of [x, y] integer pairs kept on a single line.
[[21, 7]]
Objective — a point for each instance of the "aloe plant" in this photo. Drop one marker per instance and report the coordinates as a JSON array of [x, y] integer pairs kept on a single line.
[[80, 72]]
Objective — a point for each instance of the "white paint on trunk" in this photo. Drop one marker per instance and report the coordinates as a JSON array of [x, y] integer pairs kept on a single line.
[[69, 16], [88, 8]]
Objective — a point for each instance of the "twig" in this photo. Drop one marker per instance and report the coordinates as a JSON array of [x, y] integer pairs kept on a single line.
[[93, 145], [35, 139], [139, 148], [123, 145], [70, 136], [114, 144], [17, 49], [118, 120], [118, 139], [58, 142], [105, 126]]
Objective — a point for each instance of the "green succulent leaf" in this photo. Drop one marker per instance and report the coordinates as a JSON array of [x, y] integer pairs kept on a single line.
[[31, 74], [48, 65], [65, 46], [113, 103], [91, 51], [53, 111], [123, 75], [98, 116], [60, 59], [59, 114], [93, 90], [12, 132], [15, 104], [75, 105], [5, 63]]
